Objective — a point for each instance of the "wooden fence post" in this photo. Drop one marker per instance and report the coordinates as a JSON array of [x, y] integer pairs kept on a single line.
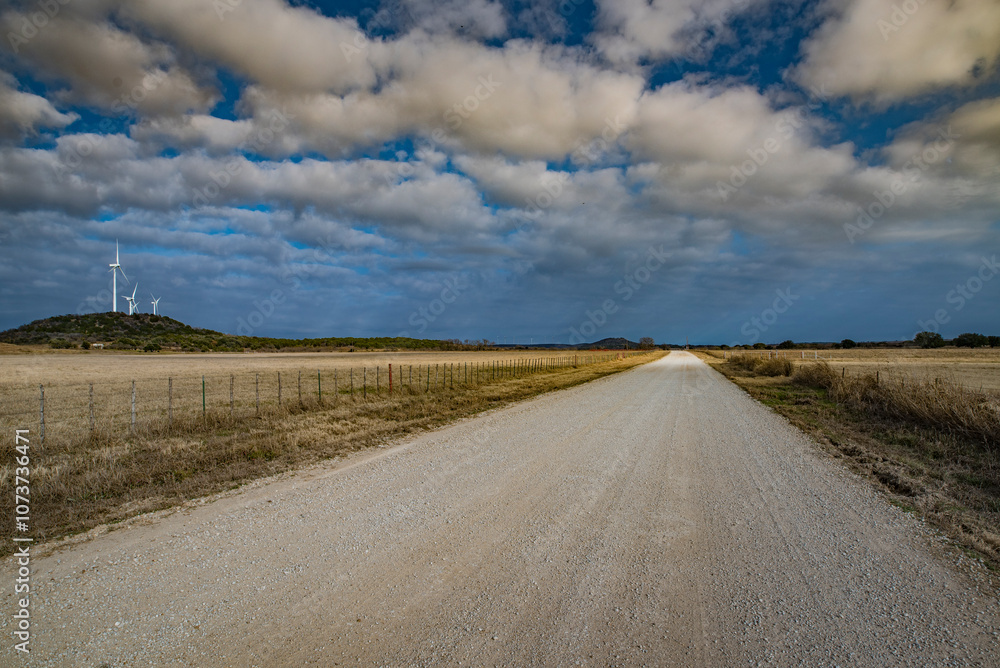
[[92, 424], [256, 389], [300, 387], [319, 386], [279, 389], [364, 383], [132, 428], [232, 398], [41, 413], [390, 379], [170, 402], [204, 415]]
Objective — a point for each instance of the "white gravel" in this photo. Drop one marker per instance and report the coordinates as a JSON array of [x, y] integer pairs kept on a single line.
[[657, 517]]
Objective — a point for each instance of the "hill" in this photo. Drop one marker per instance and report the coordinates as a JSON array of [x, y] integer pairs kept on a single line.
[[617, 343], [145, 331]]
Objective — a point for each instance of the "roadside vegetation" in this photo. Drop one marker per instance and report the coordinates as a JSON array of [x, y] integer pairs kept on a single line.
[[107, 478], [933, 446]]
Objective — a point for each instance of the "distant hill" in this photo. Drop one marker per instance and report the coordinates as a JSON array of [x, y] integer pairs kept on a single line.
[[610, 344], [145, 331]]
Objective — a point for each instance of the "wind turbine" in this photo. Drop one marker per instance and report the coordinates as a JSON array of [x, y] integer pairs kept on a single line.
[[156, 300], [115, 268], [132, 306]]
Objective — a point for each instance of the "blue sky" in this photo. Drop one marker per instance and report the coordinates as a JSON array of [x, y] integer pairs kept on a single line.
[[729, 171]]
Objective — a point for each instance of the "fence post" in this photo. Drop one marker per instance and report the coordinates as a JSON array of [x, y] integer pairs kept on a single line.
[[390, 378], [170, 403], [204, 416], [378, 383], [133, 407], [453, 375], [319, 386], [232, 400], [364, 383], [336, 390], [256, 391], [428, 378], [279, 389], [300, 387], [352, 382], [91, 407], [41, 413]]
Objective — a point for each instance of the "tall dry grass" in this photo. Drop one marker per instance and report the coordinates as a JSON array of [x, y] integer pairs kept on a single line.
[[755, 365], [941, 405]]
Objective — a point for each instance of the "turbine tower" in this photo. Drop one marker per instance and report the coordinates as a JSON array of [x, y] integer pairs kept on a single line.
[[115, 268], [156, 300], [132, 305]]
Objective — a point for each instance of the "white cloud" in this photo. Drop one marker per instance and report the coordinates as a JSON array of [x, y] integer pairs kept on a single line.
[[25, 113], [107, 67], [889, 51], [278, 46], [524, 100], [634, 30]]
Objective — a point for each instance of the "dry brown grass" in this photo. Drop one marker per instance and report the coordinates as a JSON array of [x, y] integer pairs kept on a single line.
[[111, 475]]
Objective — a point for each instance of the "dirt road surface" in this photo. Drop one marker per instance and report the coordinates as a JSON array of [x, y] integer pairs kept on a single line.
[[658, 517]]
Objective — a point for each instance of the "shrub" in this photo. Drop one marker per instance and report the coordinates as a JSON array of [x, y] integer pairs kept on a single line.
[[849, 343], [820, 375], [61, 343], [969, 340], [776, 366], [929, 340], [758, 366]]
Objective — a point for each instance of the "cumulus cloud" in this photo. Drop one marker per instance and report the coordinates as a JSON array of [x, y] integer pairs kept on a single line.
[[24, 113], [278, 46], [885, 52], [631, 31], [478, 19], [107, 67], [523, 99]]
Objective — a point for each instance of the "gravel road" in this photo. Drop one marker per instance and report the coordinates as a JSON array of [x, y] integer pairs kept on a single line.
[[657, 517]]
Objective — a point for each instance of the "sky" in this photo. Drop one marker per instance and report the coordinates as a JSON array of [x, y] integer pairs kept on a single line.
[[724, 171]]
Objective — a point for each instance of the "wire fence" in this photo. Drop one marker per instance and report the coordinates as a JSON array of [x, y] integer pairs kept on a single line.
[[64, 414]]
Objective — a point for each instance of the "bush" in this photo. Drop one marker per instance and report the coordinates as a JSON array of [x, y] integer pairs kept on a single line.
[[969, 340], [929, 340], [786, 345], [61, 344], [85, 345], [777, 366], [152, 347], [819, 375], [759, 366], [849, 343]]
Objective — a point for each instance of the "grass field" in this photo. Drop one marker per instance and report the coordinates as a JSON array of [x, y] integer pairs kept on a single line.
[[975, 368], [81, 478]]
